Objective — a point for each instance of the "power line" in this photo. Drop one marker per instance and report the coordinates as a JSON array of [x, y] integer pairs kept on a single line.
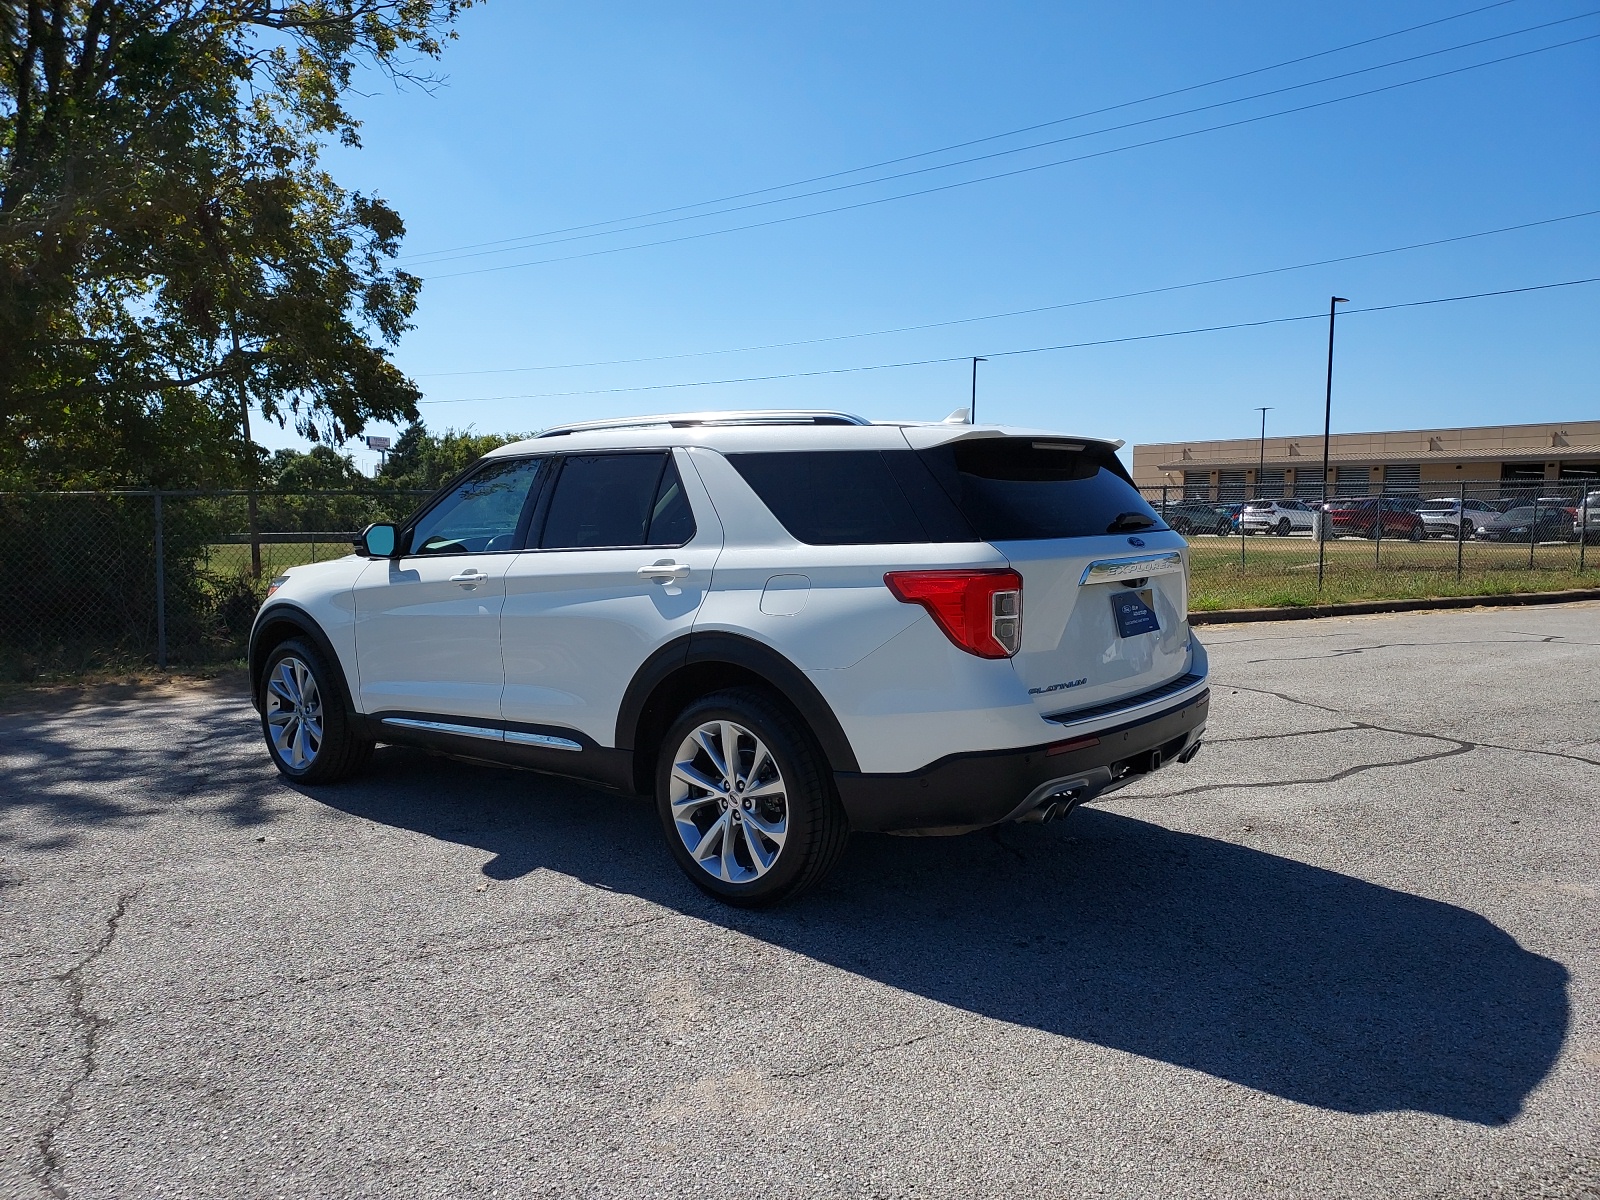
[[923, 362], [1243, 121], [978, 141], [443, 256], [1021, 312]]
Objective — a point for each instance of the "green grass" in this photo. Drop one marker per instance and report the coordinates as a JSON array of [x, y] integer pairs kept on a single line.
[[1282, 572], [276, 557]]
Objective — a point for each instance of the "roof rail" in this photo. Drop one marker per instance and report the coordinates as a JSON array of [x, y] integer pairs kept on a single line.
[[771, 416]]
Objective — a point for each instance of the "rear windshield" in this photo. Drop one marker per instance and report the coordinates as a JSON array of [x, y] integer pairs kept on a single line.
[[1023, 489], [991, 489]]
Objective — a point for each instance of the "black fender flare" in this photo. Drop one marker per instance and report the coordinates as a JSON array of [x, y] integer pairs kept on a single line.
[[715, 646], [285, 612]]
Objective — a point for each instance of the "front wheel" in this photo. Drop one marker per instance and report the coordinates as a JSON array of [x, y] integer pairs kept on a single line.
[[746, 799], [306, 727], [1415, 535]]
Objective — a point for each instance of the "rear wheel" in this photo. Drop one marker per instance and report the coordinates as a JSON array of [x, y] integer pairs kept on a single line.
[[307, 730], [1283, 526], [746, 799]]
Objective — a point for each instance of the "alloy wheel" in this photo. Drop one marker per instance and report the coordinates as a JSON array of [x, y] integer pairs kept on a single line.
[[729, 803], [294, 713]]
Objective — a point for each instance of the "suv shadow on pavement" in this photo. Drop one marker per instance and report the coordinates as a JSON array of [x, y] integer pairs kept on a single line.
[[1297, 981]]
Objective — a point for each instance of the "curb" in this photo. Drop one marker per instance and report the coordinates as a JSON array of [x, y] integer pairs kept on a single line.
[[1231, 616]]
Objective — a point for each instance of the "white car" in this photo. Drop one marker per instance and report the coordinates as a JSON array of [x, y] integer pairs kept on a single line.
[[1451, 517], [1281, 517], [783, 626]]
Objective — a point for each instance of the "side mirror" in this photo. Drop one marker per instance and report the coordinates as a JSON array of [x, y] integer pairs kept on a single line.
[[378, 541]]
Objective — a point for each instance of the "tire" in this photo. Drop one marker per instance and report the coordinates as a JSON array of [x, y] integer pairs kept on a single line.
[[1468, 531], [1415, 535], [1283, 526], [298, 697], [797, 797]]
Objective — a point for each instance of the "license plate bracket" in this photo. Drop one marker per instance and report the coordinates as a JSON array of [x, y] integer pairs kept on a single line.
[[1135, 612]]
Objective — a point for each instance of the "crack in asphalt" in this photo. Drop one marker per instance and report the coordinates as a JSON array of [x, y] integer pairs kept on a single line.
[[343, 980], [1345, 652], [855, 1059], [1402, 732], [90, 1023]]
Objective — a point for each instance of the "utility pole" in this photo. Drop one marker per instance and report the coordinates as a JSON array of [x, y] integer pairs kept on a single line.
[[1327, 427], [1261, 461], [972, 413]]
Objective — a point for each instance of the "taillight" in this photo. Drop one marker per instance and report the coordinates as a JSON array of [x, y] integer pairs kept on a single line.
[[980, 611]]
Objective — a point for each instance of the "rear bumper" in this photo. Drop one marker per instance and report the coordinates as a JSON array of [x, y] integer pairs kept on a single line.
[[972, 790]]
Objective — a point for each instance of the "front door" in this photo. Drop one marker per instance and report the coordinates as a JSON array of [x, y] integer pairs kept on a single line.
[[428, 623], [620, 567]]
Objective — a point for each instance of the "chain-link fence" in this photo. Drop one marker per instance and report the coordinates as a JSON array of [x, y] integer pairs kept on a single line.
[[112, 580], [1467, 539]]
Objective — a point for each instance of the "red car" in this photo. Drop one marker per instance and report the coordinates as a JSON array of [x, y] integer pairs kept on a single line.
[[1362, 516]]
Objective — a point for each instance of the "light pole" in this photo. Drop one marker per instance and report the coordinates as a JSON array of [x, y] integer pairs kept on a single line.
[[972, 413], [1261, 461], [1327, 426]]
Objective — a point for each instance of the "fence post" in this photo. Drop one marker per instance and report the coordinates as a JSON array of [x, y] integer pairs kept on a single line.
[[1533, 530], [161, 588], [1583, 525], [1377, 535], [1461, 527]]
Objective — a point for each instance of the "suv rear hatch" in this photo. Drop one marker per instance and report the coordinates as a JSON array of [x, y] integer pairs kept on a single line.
[[1104, 597]]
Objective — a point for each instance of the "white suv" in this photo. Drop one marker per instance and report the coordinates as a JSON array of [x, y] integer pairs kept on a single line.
[[784, 626], [1281, 517]]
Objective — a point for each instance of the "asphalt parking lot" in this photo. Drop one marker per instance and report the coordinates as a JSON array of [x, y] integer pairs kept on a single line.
[[1351, 951]]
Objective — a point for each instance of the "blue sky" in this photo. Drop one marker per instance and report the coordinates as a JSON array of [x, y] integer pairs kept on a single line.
[[555, 116]]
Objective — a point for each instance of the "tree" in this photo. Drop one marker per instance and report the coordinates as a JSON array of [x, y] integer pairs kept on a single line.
[[171, 251], [321, 469], [425, 461]]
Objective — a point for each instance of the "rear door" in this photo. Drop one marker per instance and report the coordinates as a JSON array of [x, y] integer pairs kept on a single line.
[[1104, 599], [619, 561]]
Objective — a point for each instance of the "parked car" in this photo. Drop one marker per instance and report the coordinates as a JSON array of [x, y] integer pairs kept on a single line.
[[1452, 517], [1193, 516], [1586, 524], [1540, 522], [1281, 517], [782, 626], [1374, 516]]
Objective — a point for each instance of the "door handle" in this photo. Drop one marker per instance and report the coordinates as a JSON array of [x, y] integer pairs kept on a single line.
[[664, 571], [472, 576]]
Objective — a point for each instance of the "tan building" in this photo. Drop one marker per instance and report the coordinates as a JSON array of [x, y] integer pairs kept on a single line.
[[1363, 463]]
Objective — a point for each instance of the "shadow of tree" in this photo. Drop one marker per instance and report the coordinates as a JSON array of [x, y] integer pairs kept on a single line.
[[111, 766], [1294, 980]]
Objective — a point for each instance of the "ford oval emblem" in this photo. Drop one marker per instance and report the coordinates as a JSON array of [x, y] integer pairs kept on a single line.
[[1133, 541]]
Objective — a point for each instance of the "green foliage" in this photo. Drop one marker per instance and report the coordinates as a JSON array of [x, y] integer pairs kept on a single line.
[[425, 461], [170, 246]]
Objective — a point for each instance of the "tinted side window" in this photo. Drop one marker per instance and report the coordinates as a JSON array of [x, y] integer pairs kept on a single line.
[[852, 497], [481, 514], [617, 500], [671, 518], [1017, 489]]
